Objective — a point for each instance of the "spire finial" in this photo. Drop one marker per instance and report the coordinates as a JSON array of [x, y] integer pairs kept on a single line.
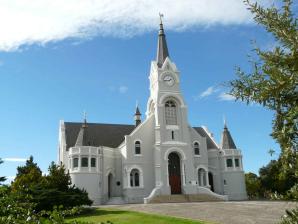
[[85, 119], [137, 104], [225, 121], [160, 17]]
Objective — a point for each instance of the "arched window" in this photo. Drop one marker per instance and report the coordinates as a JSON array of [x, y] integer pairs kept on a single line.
[[75, 162], [202, 177], [170, 112], [135, 178], [196, 148], [137, 147]]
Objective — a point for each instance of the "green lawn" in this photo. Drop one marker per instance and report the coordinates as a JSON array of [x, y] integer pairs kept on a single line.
[[130, 217]]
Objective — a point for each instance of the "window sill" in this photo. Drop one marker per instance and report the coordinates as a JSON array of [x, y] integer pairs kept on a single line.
[[136, 188], [138, 155], [198, 156]]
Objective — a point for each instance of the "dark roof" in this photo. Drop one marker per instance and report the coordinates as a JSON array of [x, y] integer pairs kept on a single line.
[[227, 140], [203, 133], [162, 49], [110, 135]]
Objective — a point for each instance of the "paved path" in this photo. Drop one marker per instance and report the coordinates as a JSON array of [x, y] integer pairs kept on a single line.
[[244, 212]]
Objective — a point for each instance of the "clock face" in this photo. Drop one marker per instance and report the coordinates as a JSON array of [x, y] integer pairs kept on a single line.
[[169, 80]]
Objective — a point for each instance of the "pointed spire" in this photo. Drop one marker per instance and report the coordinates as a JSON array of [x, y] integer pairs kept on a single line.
[[137, 115], [225, 121], [82, 136], [227, 141], [162, 49]]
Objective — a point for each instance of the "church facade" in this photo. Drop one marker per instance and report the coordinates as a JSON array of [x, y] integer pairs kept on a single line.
[[160, 156]]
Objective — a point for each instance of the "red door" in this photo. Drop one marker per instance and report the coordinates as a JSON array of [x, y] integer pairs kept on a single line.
[[174, 173]]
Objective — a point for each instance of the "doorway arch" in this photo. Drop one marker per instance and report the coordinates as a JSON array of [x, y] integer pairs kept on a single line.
[[174, 169], [210, 177]]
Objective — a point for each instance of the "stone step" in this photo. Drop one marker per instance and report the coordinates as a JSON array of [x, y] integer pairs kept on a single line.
[[180, 198], [115, 201]]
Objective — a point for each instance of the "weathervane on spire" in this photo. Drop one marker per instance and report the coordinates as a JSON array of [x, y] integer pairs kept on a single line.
[[160, 17], [225, 121], [85, 118]]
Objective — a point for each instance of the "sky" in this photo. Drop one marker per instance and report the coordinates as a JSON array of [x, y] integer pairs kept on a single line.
[[61, 58]]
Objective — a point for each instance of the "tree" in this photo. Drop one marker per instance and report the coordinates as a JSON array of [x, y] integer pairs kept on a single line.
[[2, 179], [27, 176], [273, 179], [253, 185], [273, 81], [58, 177]]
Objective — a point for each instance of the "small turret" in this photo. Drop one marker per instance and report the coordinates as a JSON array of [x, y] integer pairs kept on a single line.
[[137, 116], [226, 139]]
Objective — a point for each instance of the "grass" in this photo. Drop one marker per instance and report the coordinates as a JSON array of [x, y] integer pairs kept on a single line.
[[129, 217]]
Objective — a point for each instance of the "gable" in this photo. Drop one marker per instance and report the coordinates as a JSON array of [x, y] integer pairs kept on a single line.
[[202, 132]]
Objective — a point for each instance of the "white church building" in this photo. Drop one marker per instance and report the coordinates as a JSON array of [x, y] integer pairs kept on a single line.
[[160, 159]]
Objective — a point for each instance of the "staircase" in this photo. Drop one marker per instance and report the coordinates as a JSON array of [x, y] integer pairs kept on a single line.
[[181, 198], [115, 201]]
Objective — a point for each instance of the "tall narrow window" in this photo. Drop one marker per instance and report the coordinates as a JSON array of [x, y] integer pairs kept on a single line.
[[84, 162], [135, 178], [137, 147], [173, 135], [229, 163], [236, 162], [93, 162], [75, 162], [170, 113], [196, 148]]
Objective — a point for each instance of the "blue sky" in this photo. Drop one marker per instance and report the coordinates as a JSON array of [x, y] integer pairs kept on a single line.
[[45, 80]]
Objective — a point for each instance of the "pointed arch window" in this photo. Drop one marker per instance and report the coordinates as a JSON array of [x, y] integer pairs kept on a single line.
[[135, 178], [137, 147], [170, 112], [196, 148]]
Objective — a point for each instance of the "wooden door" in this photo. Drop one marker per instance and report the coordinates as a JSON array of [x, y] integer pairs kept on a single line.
[[174, 173]]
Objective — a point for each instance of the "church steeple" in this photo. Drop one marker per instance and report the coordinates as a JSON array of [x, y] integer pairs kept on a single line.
[[162, 49], [137, 116], [227, 141]]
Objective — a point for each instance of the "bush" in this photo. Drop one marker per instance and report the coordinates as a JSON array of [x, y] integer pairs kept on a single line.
[[291, 217]]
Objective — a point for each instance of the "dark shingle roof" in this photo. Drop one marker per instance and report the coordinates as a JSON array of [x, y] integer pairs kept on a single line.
[[110, 135], [210, 143], [227, 140], [162, 48]]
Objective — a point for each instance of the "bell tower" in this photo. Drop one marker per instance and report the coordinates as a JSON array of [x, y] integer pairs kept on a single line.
[[172, 135], [166, 100]]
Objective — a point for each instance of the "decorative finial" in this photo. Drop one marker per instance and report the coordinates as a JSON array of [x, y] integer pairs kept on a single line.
[[225, 121], [85, 118], [137, 103], [160, 17]]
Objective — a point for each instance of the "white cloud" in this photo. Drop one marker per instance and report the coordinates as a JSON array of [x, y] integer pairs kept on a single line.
[[123, 89], [209, 91], [9, 179], [30, 22], [15, 159], [226, 97]]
